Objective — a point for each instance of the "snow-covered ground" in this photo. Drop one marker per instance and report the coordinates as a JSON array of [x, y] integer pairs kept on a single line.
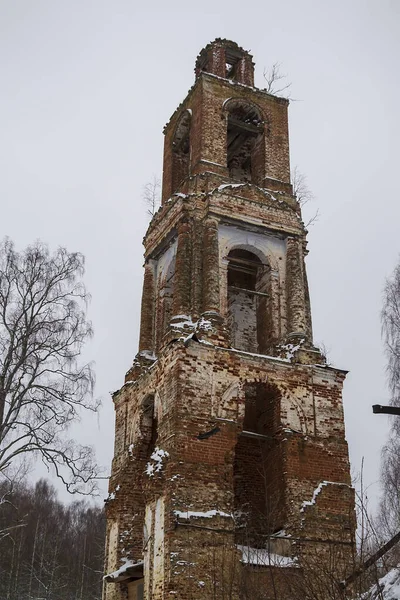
[[388, 587]]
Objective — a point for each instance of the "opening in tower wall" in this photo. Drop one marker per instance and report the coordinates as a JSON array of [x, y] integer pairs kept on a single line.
[[181, 151], [166, 297], [232, 58], [257, 466], [245, 154], [148, 426], [248, 301]]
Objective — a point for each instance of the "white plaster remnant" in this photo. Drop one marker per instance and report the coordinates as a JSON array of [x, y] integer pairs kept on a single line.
[[112, 547], [158, 557], [148, 546]]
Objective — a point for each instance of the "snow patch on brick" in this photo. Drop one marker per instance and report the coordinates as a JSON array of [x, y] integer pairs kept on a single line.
[[263, 557], [317, 491], [156, 466], [187, 514]]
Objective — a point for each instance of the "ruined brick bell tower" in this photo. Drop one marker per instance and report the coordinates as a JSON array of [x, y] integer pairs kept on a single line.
[[230, 452]]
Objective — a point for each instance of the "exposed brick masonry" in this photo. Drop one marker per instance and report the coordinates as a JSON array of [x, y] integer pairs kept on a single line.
[[229, 431]]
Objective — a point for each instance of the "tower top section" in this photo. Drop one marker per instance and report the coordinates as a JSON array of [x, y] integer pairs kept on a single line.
[[226, 59], [226, 131]]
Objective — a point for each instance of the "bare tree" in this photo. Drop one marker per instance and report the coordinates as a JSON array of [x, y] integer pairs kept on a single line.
[[389, 514], [43, 387], [391, 332], [151, 195], [45, 558], [303, 193], [300, 187], [276, 81]]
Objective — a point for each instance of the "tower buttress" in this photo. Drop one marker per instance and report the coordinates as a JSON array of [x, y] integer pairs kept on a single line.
[[230, 445]]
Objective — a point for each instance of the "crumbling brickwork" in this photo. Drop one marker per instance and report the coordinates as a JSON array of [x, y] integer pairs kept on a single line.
[[230, 464]]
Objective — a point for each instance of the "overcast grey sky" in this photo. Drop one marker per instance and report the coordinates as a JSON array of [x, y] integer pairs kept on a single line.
[[86, 87]]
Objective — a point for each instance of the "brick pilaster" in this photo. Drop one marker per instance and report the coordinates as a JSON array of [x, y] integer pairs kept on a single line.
[[211, 298], [295, 293], [182, 287]]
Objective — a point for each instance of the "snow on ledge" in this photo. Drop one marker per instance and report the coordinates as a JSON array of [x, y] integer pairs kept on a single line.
[[157, 457], [388, 587], [124, 572], [317, 491], [187, 514], [263, 557], [147, 355], [230, 185]]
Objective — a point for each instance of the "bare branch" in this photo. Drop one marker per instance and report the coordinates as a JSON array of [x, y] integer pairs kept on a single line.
[[275, 78], [300, 187], [151, 195], [303, 194], [313, 219], [390, 318]]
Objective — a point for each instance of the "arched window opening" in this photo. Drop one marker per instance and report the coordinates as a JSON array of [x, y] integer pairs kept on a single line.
[[258, 486], [181, 151], [262, 409], [148, 426], [245, 156], [166, 298], [248, 301]]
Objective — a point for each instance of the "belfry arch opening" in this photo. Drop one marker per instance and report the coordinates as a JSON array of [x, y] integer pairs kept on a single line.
[[181, 151], [249, 319], [258, 483], [244, 144]]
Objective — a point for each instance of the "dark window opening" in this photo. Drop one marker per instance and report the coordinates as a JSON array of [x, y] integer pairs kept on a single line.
[[136, 590], [181, 151], [244, 144], [248, 302], [230, 70], [262, 409], [149, 426], [258, 485], [166, 297], [232, 59]]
